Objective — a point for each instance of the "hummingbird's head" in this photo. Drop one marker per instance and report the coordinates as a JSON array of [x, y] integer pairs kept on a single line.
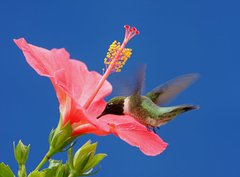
[[114, 106]]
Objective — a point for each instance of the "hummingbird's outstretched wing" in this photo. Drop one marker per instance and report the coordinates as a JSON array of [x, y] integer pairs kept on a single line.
[[140, 78], [170, 89], [132, 81]]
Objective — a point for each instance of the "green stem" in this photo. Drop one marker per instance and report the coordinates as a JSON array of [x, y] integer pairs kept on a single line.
[[22, 171], [73, 174], [48, 155]]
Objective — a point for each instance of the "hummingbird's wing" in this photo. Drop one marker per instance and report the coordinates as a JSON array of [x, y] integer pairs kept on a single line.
[[140, 78], [170, 89], [132, 81]]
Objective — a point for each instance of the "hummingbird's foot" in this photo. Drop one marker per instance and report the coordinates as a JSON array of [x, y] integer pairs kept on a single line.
[[151, 128]]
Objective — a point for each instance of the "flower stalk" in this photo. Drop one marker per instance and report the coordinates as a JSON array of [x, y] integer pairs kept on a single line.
[[48, 155], [22, 171], [58, 140]]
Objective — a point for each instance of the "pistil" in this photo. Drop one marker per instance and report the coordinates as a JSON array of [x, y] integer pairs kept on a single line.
[[115, 60]]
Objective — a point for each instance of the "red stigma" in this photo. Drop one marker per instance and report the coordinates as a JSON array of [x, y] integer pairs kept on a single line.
[[126, 27], [130, 32], [134, 29]]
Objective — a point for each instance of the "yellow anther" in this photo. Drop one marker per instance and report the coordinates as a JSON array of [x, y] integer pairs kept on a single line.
[[123, 56]]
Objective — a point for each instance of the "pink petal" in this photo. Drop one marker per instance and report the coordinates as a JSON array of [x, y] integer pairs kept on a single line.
[[147, 141], [70, 78], [92, 125], [136, 134], [89, 128], [95, 110], [118, 120], [45, 62], [79, 83]]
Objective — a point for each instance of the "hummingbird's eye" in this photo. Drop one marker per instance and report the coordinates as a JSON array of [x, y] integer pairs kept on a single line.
[[109, 105]]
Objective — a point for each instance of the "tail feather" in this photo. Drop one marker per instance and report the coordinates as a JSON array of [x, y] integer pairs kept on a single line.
[[186, 108], [176, 110], [169, 113]]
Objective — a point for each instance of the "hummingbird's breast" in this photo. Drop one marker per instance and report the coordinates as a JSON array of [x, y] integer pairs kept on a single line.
[[145, 112], [155, 122]]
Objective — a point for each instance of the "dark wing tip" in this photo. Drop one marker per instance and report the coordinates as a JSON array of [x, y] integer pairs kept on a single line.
[[190, 107]]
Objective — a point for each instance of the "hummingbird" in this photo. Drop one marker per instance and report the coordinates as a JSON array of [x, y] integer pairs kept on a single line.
[[147, 109]]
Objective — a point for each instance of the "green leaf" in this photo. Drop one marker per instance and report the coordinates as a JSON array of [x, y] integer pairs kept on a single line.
[[56, 169], [94, 161], [37, 174], [70, 146], [51, 134], [50, 172], [62, 171], [5, 171], [90, 173], [70, 157], [54, 163], [52, 168]]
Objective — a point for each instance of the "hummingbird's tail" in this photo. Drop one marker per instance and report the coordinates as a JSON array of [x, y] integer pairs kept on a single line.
[[185, 108], [182, 108], [171, 112]]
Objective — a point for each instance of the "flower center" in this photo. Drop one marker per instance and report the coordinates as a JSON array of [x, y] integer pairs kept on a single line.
[[116, 58]]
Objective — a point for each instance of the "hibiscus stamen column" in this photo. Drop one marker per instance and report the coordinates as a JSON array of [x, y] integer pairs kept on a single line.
[[116, 58]]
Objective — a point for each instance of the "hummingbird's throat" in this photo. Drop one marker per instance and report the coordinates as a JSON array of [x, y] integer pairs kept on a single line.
[[126, 110]]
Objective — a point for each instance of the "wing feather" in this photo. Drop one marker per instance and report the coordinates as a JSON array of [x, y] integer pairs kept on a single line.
[[171, 89]]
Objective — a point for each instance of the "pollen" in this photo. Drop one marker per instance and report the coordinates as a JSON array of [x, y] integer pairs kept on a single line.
[[123, 56]]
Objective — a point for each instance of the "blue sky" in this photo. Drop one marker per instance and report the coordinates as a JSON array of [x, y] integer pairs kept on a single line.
[[177, 37]]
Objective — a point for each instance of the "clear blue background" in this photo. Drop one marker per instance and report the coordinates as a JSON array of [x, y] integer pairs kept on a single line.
[[177, 37]]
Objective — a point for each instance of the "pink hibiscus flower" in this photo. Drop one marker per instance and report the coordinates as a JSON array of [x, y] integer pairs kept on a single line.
[[80, 102]]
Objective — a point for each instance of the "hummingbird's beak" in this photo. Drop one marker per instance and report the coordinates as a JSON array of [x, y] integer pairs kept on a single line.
[[99, 116], [103, 113]]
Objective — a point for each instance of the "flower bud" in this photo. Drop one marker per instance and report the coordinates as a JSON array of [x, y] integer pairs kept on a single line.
[[21, 152], [85, 159], [61, 137]]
